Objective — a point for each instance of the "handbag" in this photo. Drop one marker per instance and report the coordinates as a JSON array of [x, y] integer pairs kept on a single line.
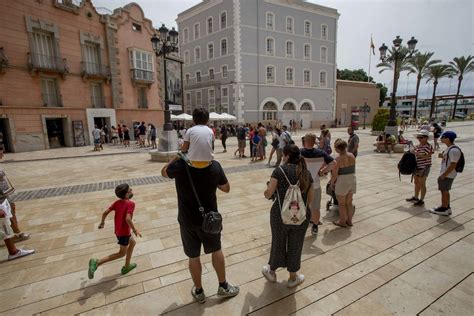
[[212, 221], [10, 189]]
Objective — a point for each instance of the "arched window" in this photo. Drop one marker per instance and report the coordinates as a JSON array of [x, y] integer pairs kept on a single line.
[[270, 74], [289, 106], [270, 21], [324, 31], [223, 20], [270, 110], [270, 46], [307, 51], [322, 78], [210, 51], [289, 49], [324, 54], [289, 24], [306, 106], [210, 25], [290, 75]]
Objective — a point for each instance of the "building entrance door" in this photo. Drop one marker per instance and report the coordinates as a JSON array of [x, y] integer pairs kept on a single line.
[[5, 134], [100, 122], [54, 127]]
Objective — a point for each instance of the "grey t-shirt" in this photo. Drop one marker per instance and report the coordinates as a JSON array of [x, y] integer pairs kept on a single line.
[[352, 143]]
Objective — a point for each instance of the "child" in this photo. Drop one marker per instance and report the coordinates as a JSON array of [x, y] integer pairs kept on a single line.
[[124, 209], [199, 140], [256, 143]]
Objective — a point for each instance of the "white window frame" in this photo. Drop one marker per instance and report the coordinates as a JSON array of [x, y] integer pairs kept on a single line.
[[272, 53], [292, 30], [324, 26], [226, 46], [198, 29], [304, 51], [325, 78], [185, 35], [274, 74], [325, 59], [305, 82], [310, 28], [198, 76], [224, 99], [187, 58], [292, 53], [213, 103], [211, 29], [196, 60], [272, 26], [187, 78], [199, 104], [213, 73], [226, 72], [292, 82], [220, 19], [209, 57], [137, 64]]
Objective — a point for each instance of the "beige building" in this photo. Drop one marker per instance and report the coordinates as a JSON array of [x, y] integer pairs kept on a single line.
[[64, 67], [350, 97]]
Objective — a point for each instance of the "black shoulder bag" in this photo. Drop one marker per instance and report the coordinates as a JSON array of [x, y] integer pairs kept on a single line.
[[212, 221]]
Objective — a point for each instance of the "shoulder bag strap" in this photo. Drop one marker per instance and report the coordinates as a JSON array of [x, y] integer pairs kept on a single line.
[[201, 209]]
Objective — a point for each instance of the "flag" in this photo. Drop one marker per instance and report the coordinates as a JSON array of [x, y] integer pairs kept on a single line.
[[372, 45]]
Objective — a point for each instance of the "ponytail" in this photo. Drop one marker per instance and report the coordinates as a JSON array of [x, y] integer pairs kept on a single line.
[[302, 174]]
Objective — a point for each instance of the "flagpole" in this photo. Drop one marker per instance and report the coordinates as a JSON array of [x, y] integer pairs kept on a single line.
[[370, 58]]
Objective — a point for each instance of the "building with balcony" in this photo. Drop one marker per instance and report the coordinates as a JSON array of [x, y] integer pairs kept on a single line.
[[65, 68], [260, 60]]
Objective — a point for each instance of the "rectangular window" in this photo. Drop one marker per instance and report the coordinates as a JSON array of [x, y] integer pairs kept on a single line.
[[225, 99], [196, 31], [270, 46], [211, 97], [92, 58], [49, 91], [223, 47], [198, 98], [307, 28], [210, 51], [270, 21], [289, 25], [97, 95], [223, 20], [188, 102], [289, 49], [142, 98], [322, 78], [307, 78], [307, 51], [187, 78], [224, 71], [270, 75], [289, 75], [43, 50], [198, 76], [324, 31], [136, 27], [197, 55], [142, 65], [323, 54], [186, 35], [209, 26], [186, 57], [211, 74]]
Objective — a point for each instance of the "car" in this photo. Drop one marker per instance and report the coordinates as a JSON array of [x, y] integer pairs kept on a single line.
[[460, 115]]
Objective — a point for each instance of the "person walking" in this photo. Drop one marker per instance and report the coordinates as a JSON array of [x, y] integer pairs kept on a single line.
[[114, 135], [96, 132], [224, 137], [353, 141], [120, 133], [126, 136], [275, 143], [344, 182], [287, 240], [153, 136], [423, 152], [190, 220], [451, 157], [241, 141], [325, 141], [437, 130], [142, 134]]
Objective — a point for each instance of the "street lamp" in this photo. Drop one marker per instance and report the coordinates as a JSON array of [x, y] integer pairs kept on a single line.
[[365, 110], [165, 44], [397, 56]]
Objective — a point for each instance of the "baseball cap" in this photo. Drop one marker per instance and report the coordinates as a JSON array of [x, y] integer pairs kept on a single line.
[[449, 134], [423, 133]]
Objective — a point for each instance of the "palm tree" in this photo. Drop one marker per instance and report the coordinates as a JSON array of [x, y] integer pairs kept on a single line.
[[417, 65], [459, 67], [435, 73]]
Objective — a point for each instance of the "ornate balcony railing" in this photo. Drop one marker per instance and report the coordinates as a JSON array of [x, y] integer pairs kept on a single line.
[[52, 100], [94, 70], [48, 63]]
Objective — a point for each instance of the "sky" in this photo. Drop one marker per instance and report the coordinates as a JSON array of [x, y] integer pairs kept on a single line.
[[445, 27]]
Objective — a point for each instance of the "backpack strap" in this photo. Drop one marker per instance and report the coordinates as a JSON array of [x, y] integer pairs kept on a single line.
[[449, 149], [287, 177]]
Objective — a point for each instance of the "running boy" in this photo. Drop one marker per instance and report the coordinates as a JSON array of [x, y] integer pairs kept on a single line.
[[124, 209]]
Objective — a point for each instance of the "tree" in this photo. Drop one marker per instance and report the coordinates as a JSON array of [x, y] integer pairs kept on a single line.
[[435, 73], [418, 65], [459, 67], [383, 93], [354, 75]]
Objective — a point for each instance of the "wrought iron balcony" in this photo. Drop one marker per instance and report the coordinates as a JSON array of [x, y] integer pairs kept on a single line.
[[47, 63], [52, 100], [94, 70], [142, 76]]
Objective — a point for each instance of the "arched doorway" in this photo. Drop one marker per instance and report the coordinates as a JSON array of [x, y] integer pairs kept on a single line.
[[305, 115], [289, 109], [270, 110]]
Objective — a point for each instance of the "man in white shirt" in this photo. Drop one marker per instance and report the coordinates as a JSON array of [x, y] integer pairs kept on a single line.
[[198, 140], [451, 157], [284, 139]]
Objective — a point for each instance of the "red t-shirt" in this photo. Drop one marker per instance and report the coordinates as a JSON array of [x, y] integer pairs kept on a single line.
[[122, 208]]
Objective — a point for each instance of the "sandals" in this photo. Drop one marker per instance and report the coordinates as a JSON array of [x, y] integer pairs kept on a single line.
[[21, 237], [337, 224]]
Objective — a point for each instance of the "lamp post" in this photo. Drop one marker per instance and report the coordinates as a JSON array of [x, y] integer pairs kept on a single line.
[[365, 110], [397, 56], [163, 45]]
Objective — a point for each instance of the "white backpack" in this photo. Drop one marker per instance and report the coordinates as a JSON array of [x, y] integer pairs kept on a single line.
[[293, 209]]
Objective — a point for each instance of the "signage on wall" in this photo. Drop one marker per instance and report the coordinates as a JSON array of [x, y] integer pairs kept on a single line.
[[78, 131]]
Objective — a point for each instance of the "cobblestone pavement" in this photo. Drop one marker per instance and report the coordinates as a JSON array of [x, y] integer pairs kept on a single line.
[[396, 259]]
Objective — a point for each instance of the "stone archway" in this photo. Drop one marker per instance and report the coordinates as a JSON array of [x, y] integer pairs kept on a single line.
[[270, 110]]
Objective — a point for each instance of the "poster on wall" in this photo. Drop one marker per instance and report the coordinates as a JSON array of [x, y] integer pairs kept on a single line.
[[78, 130], [173, 74]]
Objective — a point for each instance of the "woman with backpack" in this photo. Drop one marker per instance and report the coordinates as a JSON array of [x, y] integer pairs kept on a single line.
[[287, 239], [423, 152]]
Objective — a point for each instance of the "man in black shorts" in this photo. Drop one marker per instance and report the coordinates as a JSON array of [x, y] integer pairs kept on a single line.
[[206, 181]]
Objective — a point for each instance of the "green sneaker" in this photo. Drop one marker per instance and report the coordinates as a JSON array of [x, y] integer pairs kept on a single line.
[[92, 267], [130, 267]]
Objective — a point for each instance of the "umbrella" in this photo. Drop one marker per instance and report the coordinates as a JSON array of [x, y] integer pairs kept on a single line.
[[228, 117], [213, 116], [174, 117], [184, 117]]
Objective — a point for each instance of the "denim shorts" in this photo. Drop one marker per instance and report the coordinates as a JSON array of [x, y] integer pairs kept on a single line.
[[445, 184]]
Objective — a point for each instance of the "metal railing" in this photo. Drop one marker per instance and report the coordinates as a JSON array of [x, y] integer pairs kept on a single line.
[[46, 62], [52, 100], [95, 69], [142, 75]]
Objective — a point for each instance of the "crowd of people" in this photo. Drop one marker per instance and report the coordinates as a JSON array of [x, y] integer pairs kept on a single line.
[[144, 134]]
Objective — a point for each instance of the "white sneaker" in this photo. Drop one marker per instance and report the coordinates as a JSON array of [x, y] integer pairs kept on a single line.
[[21, 253], [294, 283], [444, 211], [271, 277]]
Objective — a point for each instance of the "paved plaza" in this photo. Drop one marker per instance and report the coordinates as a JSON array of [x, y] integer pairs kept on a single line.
[[396, 259]]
